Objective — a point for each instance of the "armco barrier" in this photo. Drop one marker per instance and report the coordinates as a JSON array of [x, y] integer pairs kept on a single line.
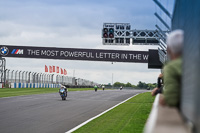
[[36, 85], [23, 85], [19, 85], [33, 85], [12, 85], [28, 85], [15, 85]]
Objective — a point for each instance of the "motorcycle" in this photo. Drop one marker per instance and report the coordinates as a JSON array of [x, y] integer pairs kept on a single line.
[[63, 93], [121, 88], [103, 87], [95, 88]]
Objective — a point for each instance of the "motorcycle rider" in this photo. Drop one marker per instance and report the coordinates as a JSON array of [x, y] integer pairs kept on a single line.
[[103, 87], [121, 87], [63, 87], [95, 87]]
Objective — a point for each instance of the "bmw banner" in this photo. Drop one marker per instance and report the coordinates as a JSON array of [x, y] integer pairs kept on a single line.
[[74, 54]]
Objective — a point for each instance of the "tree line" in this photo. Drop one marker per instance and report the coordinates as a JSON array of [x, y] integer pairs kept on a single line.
[[140, 85]]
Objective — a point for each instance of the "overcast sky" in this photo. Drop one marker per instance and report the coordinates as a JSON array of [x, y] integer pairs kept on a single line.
[[78, 24]]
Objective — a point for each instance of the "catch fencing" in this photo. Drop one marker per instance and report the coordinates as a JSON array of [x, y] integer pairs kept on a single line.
[[28, 79]]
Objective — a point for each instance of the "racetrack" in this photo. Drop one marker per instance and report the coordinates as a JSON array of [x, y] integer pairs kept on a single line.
[[47, 113]]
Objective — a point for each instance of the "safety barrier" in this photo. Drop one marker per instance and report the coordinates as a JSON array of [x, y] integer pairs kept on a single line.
[[32, 85], [164, 119]]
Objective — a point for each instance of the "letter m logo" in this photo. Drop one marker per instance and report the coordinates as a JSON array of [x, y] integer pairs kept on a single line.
[[17, 51]]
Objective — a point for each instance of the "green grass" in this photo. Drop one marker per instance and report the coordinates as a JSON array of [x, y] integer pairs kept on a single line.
[[129, 117], [9, 92]]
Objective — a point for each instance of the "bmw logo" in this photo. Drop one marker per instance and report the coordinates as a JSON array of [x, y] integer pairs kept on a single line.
[[4, 50]]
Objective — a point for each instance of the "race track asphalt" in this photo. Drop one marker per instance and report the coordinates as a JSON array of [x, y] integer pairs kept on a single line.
[[47, 113]]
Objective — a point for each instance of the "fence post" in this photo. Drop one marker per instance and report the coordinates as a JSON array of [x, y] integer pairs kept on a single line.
[[12, 80], [23, 79], [19, 75], [16, 76], [8, 75]]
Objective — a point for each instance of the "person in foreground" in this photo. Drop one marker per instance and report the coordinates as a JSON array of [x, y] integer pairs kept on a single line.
[[172, 70]]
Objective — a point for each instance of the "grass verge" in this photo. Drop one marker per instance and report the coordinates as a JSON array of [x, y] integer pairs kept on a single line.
[[129, 117], [8, 92]]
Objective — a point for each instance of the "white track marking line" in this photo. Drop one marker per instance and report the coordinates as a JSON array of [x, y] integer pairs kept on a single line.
[[82, 124]]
